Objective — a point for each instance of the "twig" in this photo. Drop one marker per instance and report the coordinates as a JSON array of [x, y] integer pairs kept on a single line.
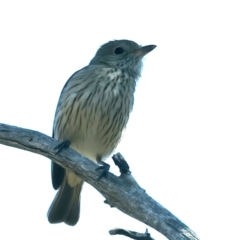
[[131, 234]]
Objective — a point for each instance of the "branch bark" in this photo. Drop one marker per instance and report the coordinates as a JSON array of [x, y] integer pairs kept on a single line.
[[121, 192], [131, 234]]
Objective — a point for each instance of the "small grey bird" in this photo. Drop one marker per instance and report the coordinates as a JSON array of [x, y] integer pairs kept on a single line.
[[92, 112]]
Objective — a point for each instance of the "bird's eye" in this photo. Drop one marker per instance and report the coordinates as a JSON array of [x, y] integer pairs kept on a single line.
[[118, 50]]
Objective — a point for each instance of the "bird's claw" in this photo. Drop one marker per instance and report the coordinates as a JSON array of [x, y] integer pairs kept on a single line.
[[105, 169], [63, 145]]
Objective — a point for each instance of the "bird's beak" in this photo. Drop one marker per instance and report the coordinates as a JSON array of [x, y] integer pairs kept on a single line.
[[141, 52]]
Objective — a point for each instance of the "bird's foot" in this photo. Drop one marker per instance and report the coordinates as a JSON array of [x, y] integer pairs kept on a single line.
[[63, 145], [105, 169]]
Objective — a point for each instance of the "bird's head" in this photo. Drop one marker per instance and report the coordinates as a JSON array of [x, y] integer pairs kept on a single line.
[[124, 54]]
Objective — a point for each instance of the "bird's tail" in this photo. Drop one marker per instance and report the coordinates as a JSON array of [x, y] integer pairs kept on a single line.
[[66, 204]]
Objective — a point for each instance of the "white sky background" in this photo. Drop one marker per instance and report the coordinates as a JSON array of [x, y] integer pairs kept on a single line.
[[183, 139]]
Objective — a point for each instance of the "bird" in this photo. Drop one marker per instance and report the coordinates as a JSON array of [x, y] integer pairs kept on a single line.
[[91, 115]]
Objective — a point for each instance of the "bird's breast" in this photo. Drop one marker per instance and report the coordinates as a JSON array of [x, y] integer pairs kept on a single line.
[[94, 117]]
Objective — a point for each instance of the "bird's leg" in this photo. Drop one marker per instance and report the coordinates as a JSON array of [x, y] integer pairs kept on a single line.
[[63, 145], [105, 167], [121, 163]]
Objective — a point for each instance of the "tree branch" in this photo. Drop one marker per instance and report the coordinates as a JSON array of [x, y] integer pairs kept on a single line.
[[121, 192], [131, 234]]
